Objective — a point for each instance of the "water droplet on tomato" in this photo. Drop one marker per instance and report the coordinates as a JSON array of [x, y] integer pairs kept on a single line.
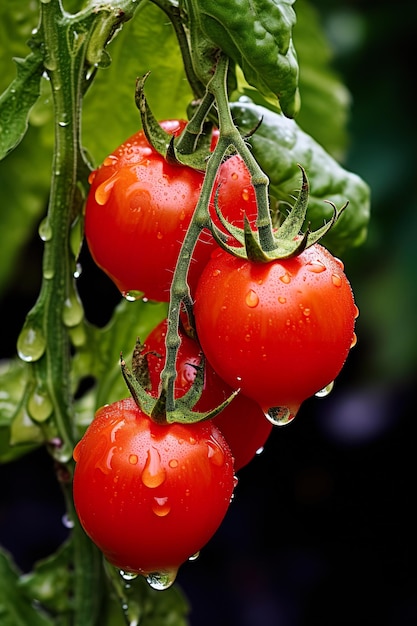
[[285, 278], [252, 299], [133, 459], [127, 575], [280, 415], [110, 160], [259, 451], [336, 280], [215, 453], [354, 341], [161, 580], [194, 557], [153, 473], [322, 393], [173, 463], [306, 312], [215, 272], [103, 191], [282, 300], [316, 267], [356, 314], [245, 195], [161, 506], [132, 296], [234, 176]]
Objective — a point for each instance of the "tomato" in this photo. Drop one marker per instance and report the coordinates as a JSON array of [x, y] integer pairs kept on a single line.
[[281, 331], [150, 496], [139, 207], [242, 422]]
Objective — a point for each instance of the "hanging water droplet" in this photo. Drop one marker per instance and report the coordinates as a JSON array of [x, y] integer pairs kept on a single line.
[[336, 280], [325, 391], [45, 230], [73, 312], [280, 415], [252, 299], [67, 521], [194, 557], [48, 272], [161, 580], [39, 405], [127, 575], [31, 343], [78, 270], [161, 507]]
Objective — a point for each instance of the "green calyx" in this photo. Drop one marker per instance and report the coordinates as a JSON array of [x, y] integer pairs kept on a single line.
[[288, 240]]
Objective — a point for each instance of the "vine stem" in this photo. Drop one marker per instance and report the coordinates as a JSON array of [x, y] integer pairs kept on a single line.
[[229, 139]]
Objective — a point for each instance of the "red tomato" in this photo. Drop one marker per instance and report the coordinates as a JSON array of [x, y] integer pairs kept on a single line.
[[139, 207], [242, 422], [281, 331], [150, 496]]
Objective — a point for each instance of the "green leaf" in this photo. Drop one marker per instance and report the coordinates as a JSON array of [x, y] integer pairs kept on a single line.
[[15, 608], [279, 145], [257, 35], [17, 101]]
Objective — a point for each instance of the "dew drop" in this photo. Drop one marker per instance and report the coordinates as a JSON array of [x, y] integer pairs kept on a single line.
[[110, 160], [280, 415], [234, 176], [306, 312], [245, 195], [252, 299], [336, 280], [127, 575], [161, 506], [322, 393], [285, 278], [67, 521], [215, 453], [173, 463], [215, 272], [133, 459], [103, 191], [316, 267], [356, 312], [48, 273], [153, 473], [31, 343], [132, 296], [39, 405], [78, 270], [354, 341], [259, 451], [161, 580], [45, 230], [282, 300], [194, 557], [73, 312]]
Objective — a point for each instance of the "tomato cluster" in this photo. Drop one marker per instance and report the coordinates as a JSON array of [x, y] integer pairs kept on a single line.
[[151, 494]]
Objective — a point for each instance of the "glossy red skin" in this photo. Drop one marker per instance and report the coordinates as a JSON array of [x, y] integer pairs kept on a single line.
[[242, 422], [150, 496], [281, 331], [139, 207]]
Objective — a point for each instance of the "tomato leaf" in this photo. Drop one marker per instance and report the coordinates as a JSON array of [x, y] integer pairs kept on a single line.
[[15, 608], [257, 35], [17, 101], [279, 145]]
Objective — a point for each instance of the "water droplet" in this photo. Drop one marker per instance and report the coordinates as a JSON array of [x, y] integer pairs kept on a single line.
[[73, 312], [306, 312], [282, 300], [48, 272], [132, 296], [31, 343], [259, 451], [161, 506], [173, 463], [104, 190], [67, 521], [127, 575], [215, 272], [153, 474], [280, 415], [110, 160], [45, 230], [194, 557], [317, 267], [215, 453], [252, 299], [356, 314], [39, 405], [159, 235], [325, 391], [133, 459], [162, 580], [285, 278], [354, 341], [245, 195], [78, 270], [336, 280]]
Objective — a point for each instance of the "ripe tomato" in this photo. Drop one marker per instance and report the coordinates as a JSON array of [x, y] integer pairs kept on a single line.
[[281, 331], [139, 207], [150, 496], [242, 422]]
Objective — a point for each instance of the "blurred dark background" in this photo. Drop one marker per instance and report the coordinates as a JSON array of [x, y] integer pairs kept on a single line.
[[322, 526]]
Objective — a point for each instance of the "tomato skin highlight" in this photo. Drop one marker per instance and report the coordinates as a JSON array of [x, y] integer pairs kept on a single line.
[[150, 496], [139, 208], [281, 331], [242, 422]]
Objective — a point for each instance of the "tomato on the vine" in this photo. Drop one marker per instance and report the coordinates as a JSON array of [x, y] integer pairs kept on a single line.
[[242, 422], [150, 496], [139, 208], [280, 331]]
